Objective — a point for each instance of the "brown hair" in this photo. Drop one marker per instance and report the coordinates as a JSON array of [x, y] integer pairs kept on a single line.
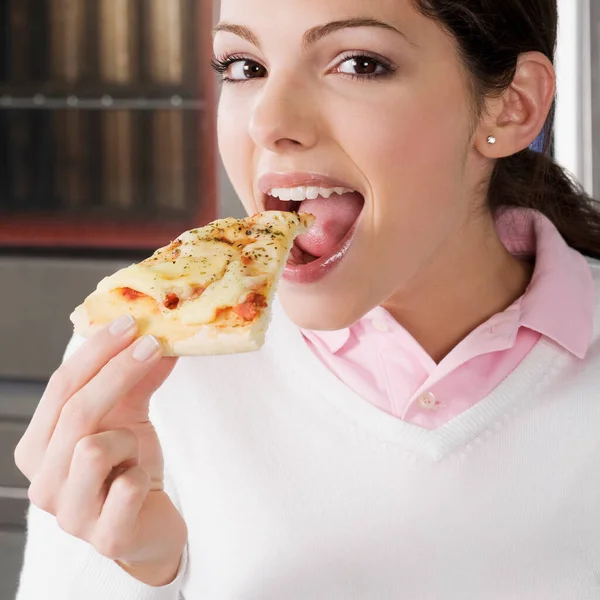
[[491, 34]]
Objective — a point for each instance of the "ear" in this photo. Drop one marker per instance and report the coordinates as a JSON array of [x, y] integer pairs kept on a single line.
[[517, 116]]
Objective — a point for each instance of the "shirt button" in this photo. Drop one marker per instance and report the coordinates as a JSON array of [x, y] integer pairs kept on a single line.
[[427, 401], [381, 326]]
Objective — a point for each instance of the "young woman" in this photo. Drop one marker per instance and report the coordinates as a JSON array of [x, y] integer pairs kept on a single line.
[[423, 421]]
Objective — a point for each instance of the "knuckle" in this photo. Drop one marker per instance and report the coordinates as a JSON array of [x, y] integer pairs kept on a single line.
[[70, 524], [22, 458], [90, 453], [108, 544], [128, 490], [41, 496], [60, 383]]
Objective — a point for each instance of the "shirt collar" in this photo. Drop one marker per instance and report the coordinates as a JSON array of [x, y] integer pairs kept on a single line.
[[333, 341], [559, 301]]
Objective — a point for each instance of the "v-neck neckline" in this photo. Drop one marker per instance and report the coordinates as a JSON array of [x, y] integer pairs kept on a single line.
[[430, 444]]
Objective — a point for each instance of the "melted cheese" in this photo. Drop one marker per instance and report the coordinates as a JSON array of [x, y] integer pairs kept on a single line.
[[226, 271], [263, 256], [230, 290]]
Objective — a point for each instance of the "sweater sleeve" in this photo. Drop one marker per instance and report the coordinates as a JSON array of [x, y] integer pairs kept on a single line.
[[58, 565]]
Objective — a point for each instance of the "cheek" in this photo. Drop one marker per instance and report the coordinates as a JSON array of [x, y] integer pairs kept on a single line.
[[410, 147]]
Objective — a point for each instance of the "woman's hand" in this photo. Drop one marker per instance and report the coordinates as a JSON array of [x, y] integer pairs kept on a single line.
[[94, 460]]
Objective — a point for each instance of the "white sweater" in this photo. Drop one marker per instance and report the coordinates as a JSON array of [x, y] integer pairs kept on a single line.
[[294, 488]]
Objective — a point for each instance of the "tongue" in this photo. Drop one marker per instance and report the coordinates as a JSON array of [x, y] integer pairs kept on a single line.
[[334, 218]]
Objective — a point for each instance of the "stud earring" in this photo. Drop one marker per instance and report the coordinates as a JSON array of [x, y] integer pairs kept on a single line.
[[491, 140]]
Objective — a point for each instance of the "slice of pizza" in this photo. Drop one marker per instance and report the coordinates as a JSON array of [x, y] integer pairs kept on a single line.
[[207, 292]]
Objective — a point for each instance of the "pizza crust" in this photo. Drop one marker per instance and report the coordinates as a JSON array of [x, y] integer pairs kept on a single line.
[[232, 341], [205, 341]]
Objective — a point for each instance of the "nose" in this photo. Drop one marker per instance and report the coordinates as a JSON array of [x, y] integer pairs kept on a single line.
[[283, 118]]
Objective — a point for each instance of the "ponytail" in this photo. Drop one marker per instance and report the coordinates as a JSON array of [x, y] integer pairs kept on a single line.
[[533, 180]]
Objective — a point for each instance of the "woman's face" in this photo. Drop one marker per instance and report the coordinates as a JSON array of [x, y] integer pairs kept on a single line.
[[382, 108]]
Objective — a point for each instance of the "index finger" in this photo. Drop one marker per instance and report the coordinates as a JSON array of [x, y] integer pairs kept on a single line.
[[83, 413], [74, 373]]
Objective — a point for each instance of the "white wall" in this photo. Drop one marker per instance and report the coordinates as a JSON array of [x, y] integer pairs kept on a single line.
[[573, 132]]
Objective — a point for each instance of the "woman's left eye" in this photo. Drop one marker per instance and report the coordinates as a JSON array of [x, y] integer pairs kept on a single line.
[[363, 67]]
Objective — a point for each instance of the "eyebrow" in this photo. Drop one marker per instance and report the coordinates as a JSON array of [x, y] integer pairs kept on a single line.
[[312, 36]]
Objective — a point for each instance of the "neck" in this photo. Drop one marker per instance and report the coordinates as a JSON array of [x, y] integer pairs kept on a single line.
[[469, 281]]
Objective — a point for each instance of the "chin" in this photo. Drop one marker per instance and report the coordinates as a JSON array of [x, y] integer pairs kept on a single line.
[[309, 311]]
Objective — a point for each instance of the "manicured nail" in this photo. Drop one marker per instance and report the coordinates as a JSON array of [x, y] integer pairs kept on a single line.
[[122, 325], [146, 348]]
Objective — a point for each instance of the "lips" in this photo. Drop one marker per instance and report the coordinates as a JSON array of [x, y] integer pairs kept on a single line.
[[318, 268], [326, 244]]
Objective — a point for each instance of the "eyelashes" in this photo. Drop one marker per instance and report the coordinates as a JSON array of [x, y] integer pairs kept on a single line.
[[221, 65], [383, 67]]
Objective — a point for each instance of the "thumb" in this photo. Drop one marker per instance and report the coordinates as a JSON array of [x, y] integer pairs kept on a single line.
[[138, 398]]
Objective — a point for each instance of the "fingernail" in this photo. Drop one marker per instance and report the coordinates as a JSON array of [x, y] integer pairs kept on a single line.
[[146, 348], [122, 325]]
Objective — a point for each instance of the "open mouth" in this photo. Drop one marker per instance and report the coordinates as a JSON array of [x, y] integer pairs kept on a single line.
[[297, 255], [336, 210]]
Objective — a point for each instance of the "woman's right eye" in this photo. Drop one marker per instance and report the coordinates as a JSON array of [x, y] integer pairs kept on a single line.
[[239, 69]]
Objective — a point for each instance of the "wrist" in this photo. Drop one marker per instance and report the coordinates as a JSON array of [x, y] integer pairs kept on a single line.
[[153, 574]]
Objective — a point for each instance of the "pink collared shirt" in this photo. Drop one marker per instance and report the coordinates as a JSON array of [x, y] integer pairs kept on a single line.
[[384, 364]]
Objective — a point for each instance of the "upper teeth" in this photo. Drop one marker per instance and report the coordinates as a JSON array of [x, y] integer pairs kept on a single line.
[[306, 193]]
